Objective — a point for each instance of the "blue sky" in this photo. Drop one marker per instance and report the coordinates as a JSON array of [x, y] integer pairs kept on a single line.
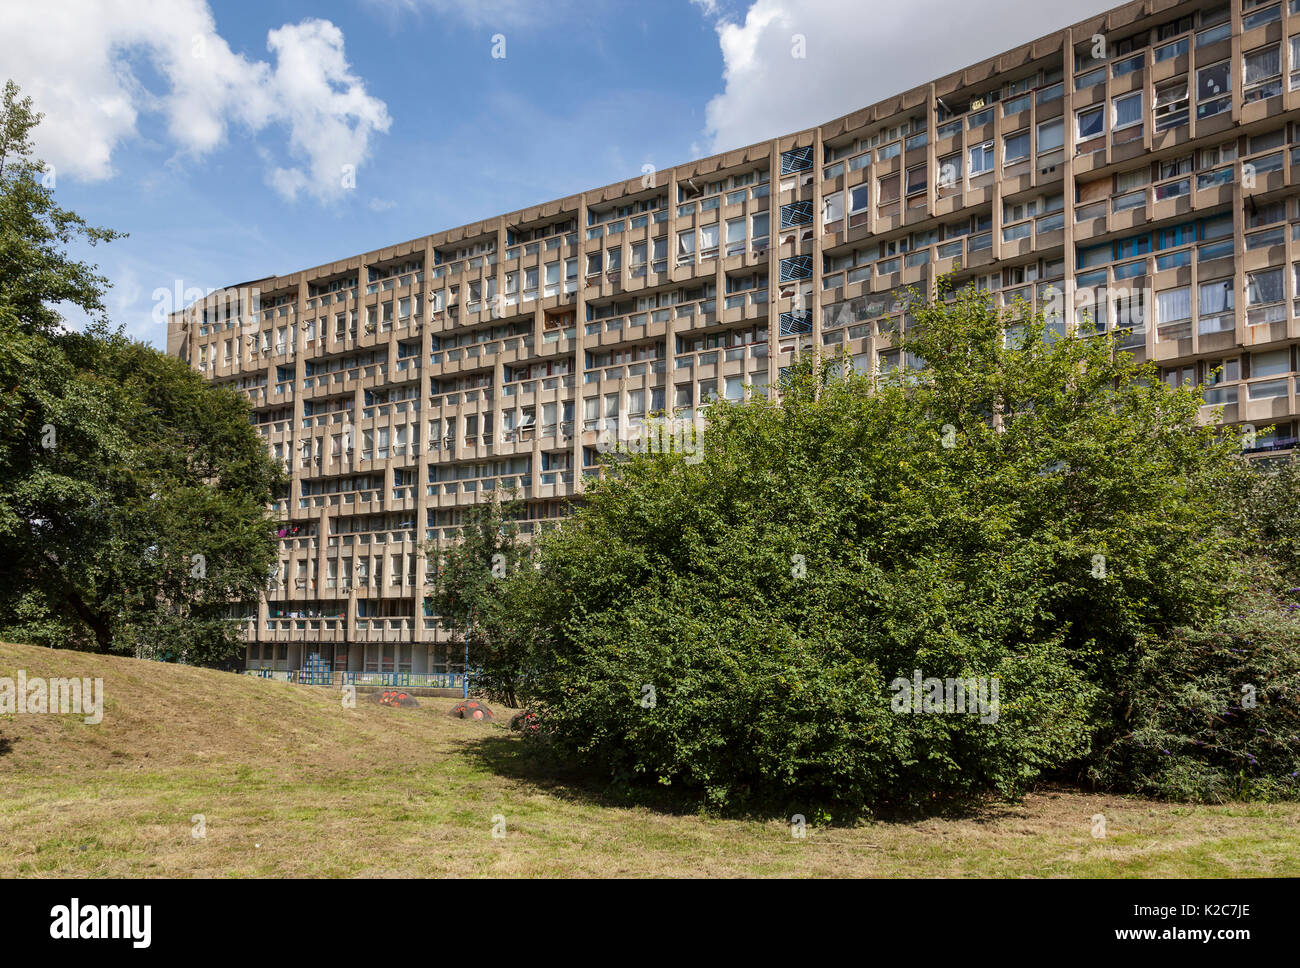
[[177, 123]]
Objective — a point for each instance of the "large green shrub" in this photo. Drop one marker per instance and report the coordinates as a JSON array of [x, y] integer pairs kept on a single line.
[[1036, 510], [1215, 710]]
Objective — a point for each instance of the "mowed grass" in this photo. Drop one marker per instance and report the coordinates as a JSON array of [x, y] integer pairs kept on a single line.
[[292, 784]]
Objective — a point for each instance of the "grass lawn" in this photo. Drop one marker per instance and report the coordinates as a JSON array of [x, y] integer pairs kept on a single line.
[[291, 784]]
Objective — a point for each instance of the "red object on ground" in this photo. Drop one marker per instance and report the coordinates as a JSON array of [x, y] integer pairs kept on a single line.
[[391, 697], [469, 709], [526, 721]]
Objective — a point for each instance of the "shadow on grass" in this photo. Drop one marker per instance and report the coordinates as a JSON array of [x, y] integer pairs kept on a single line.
[[6, 745], [534, 763]]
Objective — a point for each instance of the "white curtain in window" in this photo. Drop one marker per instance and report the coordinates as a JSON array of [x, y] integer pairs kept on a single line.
[[1128, 110], [1263, 64], [1175, 305], [1216, 297], [1130, 180]]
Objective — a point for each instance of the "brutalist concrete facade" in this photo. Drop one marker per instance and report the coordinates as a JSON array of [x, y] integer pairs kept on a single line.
[[1136, 171]]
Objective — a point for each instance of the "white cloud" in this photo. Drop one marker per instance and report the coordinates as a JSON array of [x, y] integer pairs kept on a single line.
[[75, 59], [707, 7], [856, 54]]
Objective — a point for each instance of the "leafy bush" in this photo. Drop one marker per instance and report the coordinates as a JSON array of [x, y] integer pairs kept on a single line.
[[1215, 710], [1033, 509]]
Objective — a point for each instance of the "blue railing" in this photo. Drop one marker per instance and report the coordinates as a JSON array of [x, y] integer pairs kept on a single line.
[[430, 680], [305, 677]]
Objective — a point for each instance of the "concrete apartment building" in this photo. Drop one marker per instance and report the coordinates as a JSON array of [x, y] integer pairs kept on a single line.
[[1137, 170]]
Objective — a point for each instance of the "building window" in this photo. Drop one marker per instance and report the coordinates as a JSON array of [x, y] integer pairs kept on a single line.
[[949, 171], [1128, 111], [1171, 105], [1261, 74], [1174, 308], [1269, 15], [833, 208], [736, 239], [917, 182], [1264, 296], [981, 159], [709, 241], [1266, 214], [1091, 123], [1272, 363], [1213, 90], [1051, 135], [686, 247], [1130, 314], [888, 189], [1015, 147], [1219, 22]]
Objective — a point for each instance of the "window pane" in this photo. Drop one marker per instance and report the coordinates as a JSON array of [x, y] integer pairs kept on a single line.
[[1016, 147], [1270, 364], [1051, 135], [1128, 110], [1175, 305], [1212, 81], [1090, 123], [1263, 64], [1264, 287]]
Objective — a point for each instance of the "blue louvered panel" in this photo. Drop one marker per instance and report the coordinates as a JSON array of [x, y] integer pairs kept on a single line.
[[796, 159], [798, 267], [796, 213], [795, 324]]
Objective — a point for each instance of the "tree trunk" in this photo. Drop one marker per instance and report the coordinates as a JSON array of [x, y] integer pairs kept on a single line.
[[103, 633]]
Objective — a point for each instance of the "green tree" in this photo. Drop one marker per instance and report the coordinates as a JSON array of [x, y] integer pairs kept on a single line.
[[1265, 506], [1015, 506], [36, 272], [468, 578], [132, 494]]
